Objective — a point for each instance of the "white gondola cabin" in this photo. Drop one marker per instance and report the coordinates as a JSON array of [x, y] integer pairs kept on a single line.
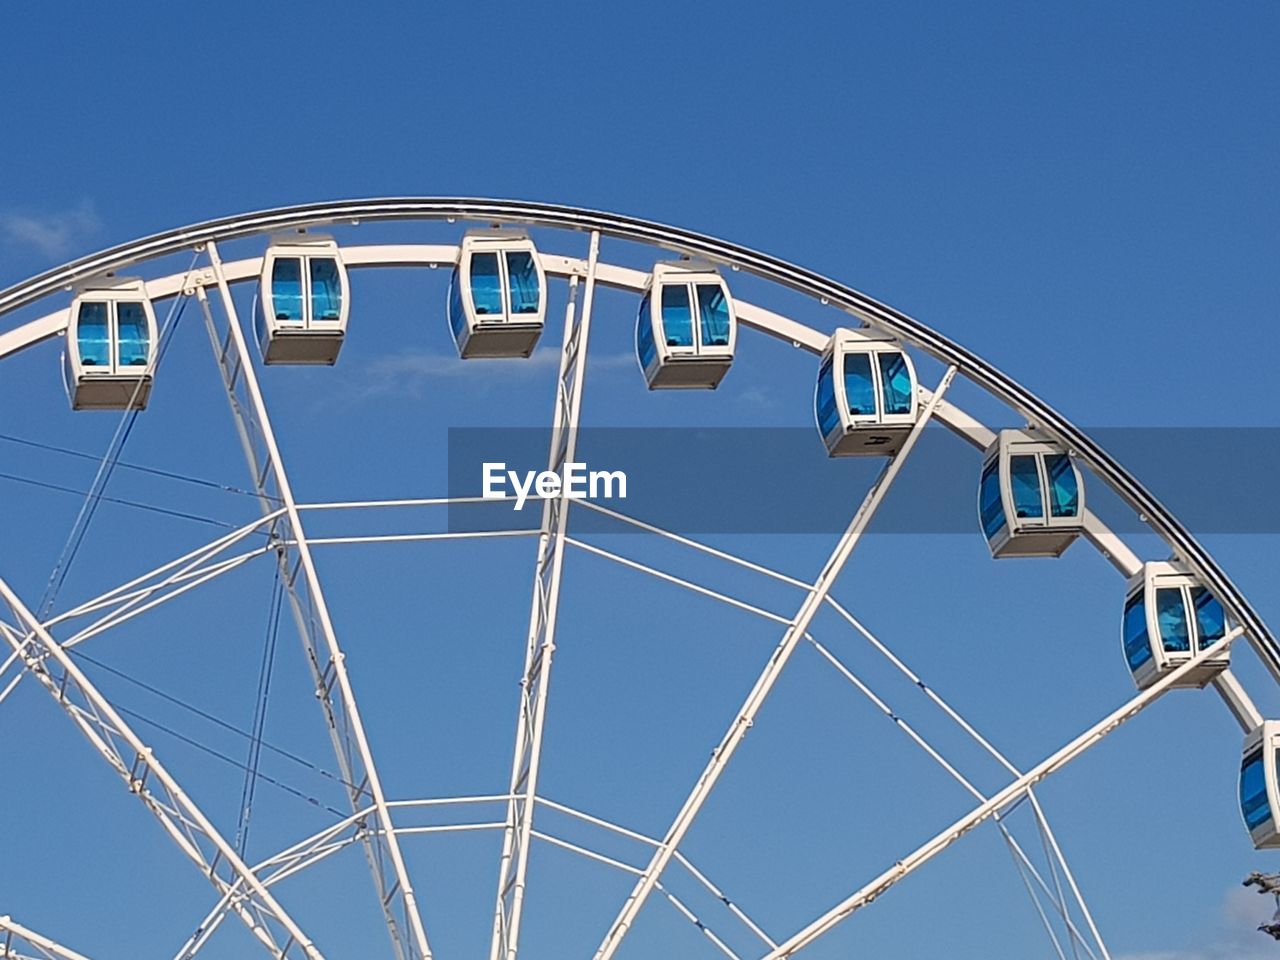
[[1030, 497], [497, 297], [110, 352], [1169, 617], [303, 302], [1260, 786], [865, 400], [686, 328]]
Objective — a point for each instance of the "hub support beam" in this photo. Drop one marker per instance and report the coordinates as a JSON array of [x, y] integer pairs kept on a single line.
[[791, 639], [514, 865], [334, 689]]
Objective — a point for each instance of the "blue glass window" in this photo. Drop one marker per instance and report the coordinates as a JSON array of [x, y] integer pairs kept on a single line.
[[286, 289], [1024, 484], [1171, 615], [713, 311], [457, 318], [895, 382], [1211, 622], [134, 337], [859, 391], [93, 338], [645, 347], [326, 289], [990, 505], [1253, 791], [677, 315], [523, 273], [1064, 491], [1137, 643], [486, 285], [824, 400]]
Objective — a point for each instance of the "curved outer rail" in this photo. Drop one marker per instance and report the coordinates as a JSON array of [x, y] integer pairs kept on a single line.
[[985, 375]]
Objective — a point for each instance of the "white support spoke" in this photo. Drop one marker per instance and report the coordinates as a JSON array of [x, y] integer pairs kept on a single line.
[[1004, 761], [1003, 798], [411, 502], [794, 634], [678, 581], [720, 895], [1059, 899], [311, 613], [1052, 842], [695, 545], [693, 918], [513, 867], [320, 846], [1027, 871], [147, 779], [274, 869], [178, 585], [128, 595], [183, 564], [651, 842], [1021, 860], [1035, 899], [418, 537], [13, 934], [675, 901]]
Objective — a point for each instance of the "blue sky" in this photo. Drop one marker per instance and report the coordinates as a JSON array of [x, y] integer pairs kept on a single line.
[[1083, 194]]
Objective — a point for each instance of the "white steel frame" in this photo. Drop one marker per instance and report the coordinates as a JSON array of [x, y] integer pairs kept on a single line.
[[795, 632], [12, 932], [334, 689], [146, 778], [544, 610], [244, 891]]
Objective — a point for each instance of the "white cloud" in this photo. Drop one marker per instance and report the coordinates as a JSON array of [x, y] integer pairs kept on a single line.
[[1232, 936], [757, 398], [408, 372], [53, 235]]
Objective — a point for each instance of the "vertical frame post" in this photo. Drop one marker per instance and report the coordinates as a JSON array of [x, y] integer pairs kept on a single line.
[[334, 689], [513, 867]]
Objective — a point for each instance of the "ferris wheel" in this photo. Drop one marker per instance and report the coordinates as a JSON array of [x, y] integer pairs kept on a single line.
[[877, 381]]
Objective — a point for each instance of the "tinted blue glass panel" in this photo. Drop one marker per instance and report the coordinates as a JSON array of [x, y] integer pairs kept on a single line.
[[286, 289], [457, 318], [1211, 622], [1064, 492], [824, 400], [93, 338], [645, 347], [677, 315], [1253, 791], [713, 312], [1024, 484], [895, 382], [135, 338], [1137, 643], [1171, 615], [860, 392], [486, 285], [523, 274], [989, 503], [326, 289]]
